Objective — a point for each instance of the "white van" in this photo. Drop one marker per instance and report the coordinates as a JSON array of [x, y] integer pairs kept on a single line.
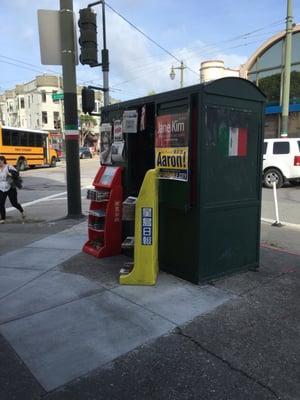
[[281, 161]]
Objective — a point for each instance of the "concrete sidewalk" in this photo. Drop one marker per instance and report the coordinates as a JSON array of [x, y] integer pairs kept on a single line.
[[69, 331]]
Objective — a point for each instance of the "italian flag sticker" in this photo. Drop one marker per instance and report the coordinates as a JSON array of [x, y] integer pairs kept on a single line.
[[233, 141]]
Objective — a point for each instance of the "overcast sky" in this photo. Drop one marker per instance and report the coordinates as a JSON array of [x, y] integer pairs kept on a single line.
[[192, 30]]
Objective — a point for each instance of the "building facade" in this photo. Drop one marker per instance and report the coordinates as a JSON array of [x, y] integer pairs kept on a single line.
[[215, 69], [265, 68], [38, 104]]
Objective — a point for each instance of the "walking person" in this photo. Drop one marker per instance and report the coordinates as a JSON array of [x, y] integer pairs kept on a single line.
[[8, 189]]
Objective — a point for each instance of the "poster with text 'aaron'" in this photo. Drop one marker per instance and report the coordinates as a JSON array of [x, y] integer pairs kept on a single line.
[[171, 146]]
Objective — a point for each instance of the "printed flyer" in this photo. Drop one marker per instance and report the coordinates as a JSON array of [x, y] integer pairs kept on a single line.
[[130, 118]]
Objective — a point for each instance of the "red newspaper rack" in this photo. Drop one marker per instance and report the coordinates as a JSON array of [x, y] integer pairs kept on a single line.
[[105, 213]]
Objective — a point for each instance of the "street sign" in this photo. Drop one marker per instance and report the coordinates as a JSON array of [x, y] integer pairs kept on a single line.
[[50, 37], [57, 96]]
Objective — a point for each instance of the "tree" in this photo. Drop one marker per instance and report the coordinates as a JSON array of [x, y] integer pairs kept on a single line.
[[87, 122], [270, 85], [295, 86]]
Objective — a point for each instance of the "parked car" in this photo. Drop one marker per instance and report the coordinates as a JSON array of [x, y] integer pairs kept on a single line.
[[281, 161], [85, 152]]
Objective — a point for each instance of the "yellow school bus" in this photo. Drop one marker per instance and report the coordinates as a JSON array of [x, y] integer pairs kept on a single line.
[[26, 147]]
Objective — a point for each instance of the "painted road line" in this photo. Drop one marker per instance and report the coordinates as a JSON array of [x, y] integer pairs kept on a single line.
[[53, 196], [287, 224]]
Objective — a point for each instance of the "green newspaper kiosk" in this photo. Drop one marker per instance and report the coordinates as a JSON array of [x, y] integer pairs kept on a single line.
[[207, 141]]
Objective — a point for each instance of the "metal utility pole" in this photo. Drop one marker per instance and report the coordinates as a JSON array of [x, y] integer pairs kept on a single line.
[[70, 107], [104, 54], [287, 71], [181, 68], [105, 62]]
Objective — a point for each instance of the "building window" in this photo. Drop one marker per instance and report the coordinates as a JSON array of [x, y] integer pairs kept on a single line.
[[28, 101], [44, 117], [22, 102], [44, 96], [56, 120]]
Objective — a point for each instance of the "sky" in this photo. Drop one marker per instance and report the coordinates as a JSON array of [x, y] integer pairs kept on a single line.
[[191, 30]]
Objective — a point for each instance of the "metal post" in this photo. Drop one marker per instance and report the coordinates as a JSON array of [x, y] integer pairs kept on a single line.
[[287, 71], [104, 53], [105, 62], [61, 109], [172, 73], [181, 74], [277, 222], [70, 108]]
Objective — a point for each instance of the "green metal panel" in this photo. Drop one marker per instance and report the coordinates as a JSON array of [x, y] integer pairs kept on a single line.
[[229, 240], [178, 235], [230, 185]]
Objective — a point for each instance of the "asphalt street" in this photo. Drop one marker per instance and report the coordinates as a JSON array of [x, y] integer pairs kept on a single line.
[[42, 183], [288, 204], [45, 189]]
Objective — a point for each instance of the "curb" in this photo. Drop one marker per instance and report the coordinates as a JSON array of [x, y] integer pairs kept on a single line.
[[287, 224]]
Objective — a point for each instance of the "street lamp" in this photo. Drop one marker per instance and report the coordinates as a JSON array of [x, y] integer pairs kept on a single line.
[[181, 68], [172, 73]]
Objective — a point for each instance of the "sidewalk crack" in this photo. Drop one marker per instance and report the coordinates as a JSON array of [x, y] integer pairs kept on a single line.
[[179, 331]]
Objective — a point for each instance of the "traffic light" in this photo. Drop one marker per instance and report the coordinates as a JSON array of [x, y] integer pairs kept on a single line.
[[88, 100], [88, 37]]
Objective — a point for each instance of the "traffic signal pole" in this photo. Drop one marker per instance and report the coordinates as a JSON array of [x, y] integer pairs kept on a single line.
[[105, 62], [104, 53], [70, 107]]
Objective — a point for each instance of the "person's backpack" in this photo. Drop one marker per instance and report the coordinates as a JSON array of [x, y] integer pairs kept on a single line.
[[17, 181]]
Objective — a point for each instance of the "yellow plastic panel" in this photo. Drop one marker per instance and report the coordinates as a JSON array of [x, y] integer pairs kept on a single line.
[[145, 267]]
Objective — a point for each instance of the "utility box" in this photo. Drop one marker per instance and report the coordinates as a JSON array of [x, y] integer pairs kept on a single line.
[[207, 141]]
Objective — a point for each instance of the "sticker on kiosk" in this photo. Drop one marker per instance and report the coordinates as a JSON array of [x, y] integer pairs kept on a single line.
[[147, 226]]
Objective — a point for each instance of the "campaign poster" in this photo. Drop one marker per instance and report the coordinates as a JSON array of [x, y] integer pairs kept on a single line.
[[105, 144], [172, 146]]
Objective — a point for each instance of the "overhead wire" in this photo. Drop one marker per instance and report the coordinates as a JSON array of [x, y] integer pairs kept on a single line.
[[140, 76], [207, 46], [243, 36], [144, 67], [148, 37]]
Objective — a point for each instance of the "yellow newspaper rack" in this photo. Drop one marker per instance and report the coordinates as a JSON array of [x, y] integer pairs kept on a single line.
[[145, 266]]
